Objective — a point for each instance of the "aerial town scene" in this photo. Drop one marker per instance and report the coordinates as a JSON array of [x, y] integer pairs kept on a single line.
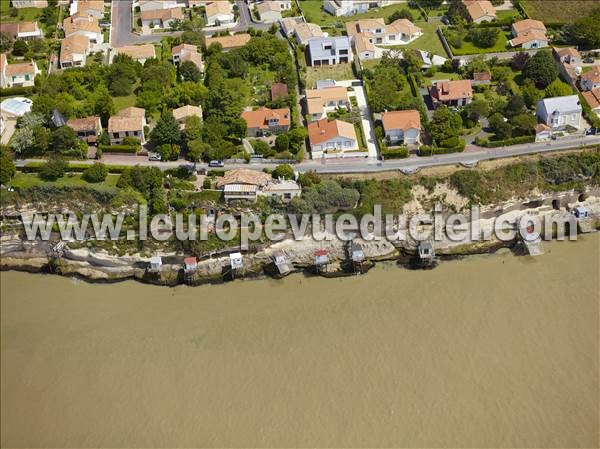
[[337, 223]]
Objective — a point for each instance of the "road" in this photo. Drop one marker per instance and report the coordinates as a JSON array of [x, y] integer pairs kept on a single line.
[[361, 166], [121, 33]]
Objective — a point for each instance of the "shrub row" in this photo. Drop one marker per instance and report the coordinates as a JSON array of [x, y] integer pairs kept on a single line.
[[35, 167], [427, 150], [395, 153], [128, 149], [17, 90], [511, 141]]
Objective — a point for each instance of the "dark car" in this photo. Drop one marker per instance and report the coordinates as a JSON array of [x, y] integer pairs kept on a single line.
[[216, 164], [445, 20], [588, 60]]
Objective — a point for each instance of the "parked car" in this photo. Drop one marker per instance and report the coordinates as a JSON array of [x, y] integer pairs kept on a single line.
[[589, 60], [445, 20], [216, 164], [154, 157]]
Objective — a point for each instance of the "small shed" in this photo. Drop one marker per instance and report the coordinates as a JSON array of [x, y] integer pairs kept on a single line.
[[426, 250], [190, 263], [155, 263], [281, 262], [236, 261], [581, 212], [321, 258]]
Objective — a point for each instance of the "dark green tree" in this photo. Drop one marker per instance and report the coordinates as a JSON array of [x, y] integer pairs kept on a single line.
[[541, 69], [55, 168], [166, 131], [189, 71], [96, 173]]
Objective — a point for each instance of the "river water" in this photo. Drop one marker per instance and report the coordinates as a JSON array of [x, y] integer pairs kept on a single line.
[[490, 351]]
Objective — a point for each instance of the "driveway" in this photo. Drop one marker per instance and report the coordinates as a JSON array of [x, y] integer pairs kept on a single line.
[[365, 113]]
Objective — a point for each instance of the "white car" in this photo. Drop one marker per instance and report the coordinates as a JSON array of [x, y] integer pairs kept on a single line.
[[154, 157]]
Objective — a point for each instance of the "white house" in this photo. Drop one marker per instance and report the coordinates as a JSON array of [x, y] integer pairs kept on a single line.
[[83, 25], [329, 50], [87, 7], [529, 34], [480, 11], [327, 99], [219, 13], [331, 137], [399, 32], [14, 75], [351, 7], [270, 11], [151, 5], [130, 122], [402, 127], [560, 113], [161, 18], [74, 51]]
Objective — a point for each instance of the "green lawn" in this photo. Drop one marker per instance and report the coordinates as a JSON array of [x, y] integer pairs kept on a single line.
[[337, 72], [558, 11], [124, 102], [24, 14], [313, 12], [25, 180], [429, 42], [469, 49], [512, 13]]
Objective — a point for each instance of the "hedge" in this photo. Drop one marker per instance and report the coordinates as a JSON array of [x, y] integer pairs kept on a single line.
[[35, 167], [426, 150], [396, 153], [18, 90], [509, 142], [129, 149]]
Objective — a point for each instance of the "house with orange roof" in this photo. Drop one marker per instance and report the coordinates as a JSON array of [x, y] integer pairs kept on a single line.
[[270, 11], [74, 51], [187, 52], [402, 127], [265, 121], [455, 93], [331, 137], [87, 129], [139, 53], [592, 97], [22, 30], [399, 32], [161, 18], [83, 25], [327, 99], [93, 8], [480, 11], [219, 13], [17, 75], [183, 113], [590, 80], [229, 42], [529, 34], [130, 122]]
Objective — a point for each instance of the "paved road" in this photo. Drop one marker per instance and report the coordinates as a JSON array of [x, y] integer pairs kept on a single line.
[[502, 55], [361, 166]]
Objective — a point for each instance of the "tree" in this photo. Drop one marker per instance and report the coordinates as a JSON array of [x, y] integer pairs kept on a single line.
[[193, 128], [444, 124], [96, 173], [31, 140], [189, 71], [20, 47], [121, 76], [261, 147], [282, 143], [541, 69], [6, 42], [55, 168], [515, 105], [483, 37], [519, 60], [64, 138], [475, 110], [7, 165], [531, 94], [102, 103], [558, 88], [500, 127], [587, 29], [197, 150], [523, 124], [169, 152], [166, 131], [238, 128], [501, 74], [284, 171], [403, 13]]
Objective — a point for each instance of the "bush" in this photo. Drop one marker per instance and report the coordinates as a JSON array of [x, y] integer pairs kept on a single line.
[[127, 149], [17, 90], [96, 173], [207, 184], [285, 171], [55, 168]]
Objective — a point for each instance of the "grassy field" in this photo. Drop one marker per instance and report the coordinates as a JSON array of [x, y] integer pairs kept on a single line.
[[124, 102], [558, 11], [429, 42], [337, 72], [469, 49], [512, 13], [314, 13], [26, 14], [25, 180]]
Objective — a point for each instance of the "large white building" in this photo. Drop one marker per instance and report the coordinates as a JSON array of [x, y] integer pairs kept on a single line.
[[351, 7], [329, 50], [560, 113]]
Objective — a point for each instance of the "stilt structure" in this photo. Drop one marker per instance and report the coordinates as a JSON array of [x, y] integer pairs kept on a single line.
[[532, 242], [426, 254], [356, 256], [236, 263], [155, 264], [321, 260], [282, 263], [190, 265]]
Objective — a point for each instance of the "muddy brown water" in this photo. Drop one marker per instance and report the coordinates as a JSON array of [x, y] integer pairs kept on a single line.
[[489, 351]]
